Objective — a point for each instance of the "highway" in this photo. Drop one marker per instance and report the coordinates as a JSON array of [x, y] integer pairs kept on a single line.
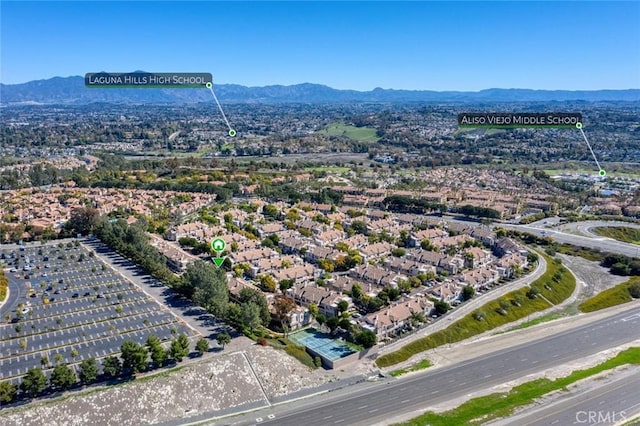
[[609, 404], [375, 404], [600, 243]]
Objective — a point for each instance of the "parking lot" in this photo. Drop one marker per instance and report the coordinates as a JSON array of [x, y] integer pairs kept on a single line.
[[67, 305]]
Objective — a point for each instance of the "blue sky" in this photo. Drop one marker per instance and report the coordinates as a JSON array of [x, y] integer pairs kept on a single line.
[[358, 45]]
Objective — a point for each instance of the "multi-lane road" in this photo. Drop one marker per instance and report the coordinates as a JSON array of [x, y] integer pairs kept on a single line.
[[612, 403], [601, 243], [386, 400]]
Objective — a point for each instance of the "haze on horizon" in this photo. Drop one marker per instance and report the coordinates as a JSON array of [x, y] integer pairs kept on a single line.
[[454, 46]]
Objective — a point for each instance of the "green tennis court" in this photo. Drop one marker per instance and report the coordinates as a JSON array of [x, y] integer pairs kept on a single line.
[[323, 344]]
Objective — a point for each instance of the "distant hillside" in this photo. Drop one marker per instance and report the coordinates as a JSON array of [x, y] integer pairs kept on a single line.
[[71, 90]]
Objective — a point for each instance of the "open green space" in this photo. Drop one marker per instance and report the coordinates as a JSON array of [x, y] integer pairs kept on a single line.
[[333, 169], [555, 285], [620, 233], [421, 365], [610, 297], [362, 134], [483, 409], [593, 171]]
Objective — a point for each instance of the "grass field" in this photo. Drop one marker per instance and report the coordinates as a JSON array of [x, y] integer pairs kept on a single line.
[[594, 171], [484, 409], [620, 233], [362, 134], [610, 297], [415, 367], [333, 169], [556, 284]]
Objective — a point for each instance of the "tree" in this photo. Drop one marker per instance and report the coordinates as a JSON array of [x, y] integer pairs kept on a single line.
[[33, 382], [134, 356], [7, 392], [62, 377], [332, 323], [270, 211], [283, 306], [321, 319], [442, 307], [286, 284], [258, 298], [417, 318], [359, 226], [313, 309], [179, 347], [82, 220], [345, 324], [158, 354], [250, 316], [88, 371], [398, 252], [268, 283], [223, 339], [343, 305], [207, 285], [634, 290], [327, 265], [468, 292], [356, 291], [366, 338], [202, 346], [111, 366]]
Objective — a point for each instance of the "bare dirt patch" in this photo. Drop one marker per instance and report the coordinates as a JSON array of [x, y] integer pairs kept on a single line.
[[213, 384], [595, 277]]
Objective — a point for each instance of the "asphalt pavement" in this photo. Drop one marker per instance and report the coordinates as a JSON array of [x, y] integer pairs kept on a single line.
[[600, 243], [609, 404], [379, 403]]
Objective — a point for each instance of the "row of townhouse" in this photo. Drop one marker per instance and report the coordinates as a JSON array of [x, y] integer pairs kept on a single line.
[[390, 320], [442, 262], [324, 298], [375, 275]]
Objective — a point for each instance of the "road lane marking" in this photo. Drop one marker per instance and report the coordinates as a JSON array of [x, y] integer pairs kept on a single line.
[[363, 407]]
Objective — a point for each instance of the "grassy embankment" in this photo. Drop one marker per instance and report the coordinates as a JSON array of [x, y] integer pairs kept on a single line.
[[620, 233], [555, 285], [483, 409], [421, 365], [610, 297]]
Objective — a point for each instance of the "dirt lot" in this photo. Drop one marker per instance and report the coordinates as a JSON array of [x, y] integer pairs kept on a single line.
[[217, 383], [595, 277]]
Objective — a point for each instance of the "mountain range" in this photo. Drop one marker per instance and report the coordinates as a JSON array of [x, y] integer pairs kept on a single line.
[[71, 90]]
